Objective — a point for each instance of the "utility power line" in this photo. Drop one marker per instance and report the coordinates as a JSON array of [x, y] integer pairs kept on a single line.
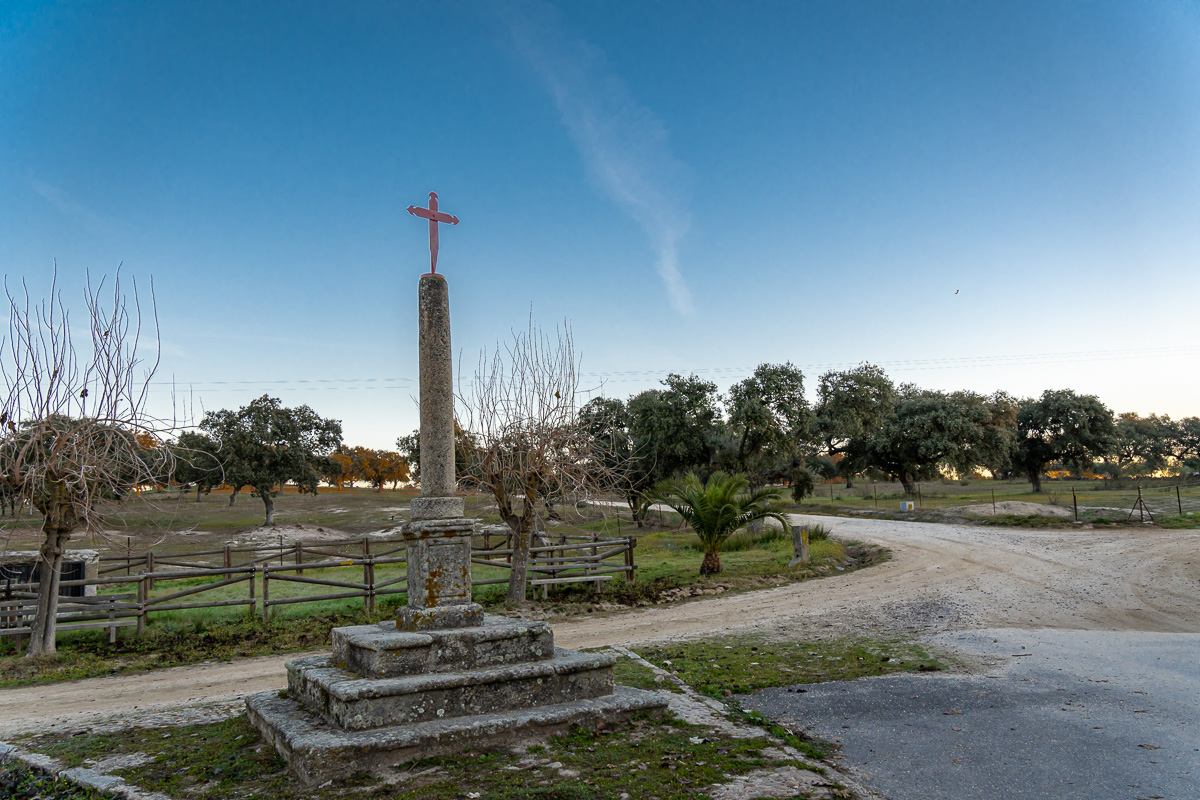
[[640, 375]]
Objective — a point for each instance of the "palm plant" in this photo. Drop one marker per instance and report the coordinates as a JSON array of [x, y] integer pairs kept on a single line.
[[715, 509]]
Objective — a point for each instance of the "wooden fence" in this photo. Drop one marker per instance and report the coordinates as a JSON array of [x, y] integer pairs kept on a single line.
[[127, 591]]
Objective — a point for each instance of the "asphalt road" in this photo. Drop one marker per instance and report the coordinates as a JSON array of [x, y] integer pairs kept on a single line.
[[1069, 715]]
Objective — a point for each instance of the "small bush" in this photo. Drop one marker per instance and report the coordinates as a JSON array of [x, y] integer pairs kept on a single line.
[[817, 533], [745, 540], [803, 483]]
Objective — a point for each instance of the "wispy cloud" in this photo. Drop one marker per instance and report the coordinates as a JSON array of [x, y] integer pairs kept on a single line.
[[83, 215], [624, 144]]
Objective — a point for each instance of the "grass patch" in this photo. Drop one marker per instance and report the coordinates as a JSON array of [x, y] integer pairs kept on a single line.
[[21, 781], [628, 672], [729, 666], [1186, 522], [666, 759], [1027, 521]]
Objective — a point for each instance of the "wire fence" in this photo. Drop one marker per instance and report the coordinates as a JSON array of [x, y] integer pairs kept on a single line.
[[1084, 500]]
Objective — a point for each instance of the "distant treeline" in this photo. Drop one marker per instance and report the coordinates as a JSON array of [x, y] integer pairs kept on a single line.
[[863, 423]]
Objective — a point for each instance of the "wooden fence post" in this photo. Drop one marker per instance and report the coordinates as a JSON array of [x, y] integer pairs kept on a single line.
[[253, 573], [368, 577], [266, 594], [150, 568], [595, 552], [299, 556], [228, 556], [371, 584], [1075, 503], [1178, 500], [142, 597]]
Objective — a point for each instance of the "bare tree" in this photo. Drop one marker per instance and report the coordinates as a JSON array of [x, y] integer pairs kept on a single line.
[[525, 445], [72, 419]]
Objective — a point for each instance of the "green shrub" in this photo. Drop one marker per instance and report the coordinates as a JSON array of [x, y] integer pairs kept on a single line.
[[803, 483], [817, 532]]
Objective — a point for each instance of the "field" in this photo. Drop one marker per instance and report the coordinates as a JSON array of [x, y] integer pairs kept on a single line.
[[1098, 501]]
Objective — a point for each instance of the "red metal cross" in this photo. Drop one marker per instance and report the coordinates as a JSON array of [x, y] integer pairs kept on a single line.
[[434, 216]]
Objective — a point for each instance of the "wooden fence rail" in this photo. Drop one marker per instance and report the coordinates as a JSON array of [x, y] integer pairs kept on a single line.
[[570, 559]]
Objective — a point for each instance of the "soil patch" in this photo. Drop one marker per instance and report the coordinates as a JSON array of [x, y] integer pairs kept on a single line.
[[1014, 507]]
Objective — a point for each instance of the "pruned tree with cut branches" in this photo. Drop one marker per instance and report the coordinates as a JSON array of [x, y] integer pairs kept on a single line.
[[525, 443], [71, 416]]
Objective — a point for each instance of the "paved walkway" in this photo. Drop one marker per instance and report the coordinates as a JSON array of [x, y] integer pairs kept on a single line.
[[1069, 715]]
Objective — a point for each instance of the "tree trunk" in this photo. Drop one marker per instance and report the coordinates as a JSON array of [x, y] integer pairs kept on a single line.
[[1035, 477], [269, 502], [849, 482], [198, 488], [42, 638], [711, 564], [233, 494], [908, 484], [634, 508], [518, 577]]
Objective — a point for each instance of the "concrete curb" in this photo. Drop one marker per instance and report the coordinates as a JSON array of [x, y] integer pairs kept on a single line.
[[111, 784]]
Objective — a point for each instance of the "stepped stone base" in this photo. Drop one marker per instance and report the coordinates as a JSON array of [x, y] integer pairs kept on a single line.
[[356, 703], [317, 751], [388, 695]]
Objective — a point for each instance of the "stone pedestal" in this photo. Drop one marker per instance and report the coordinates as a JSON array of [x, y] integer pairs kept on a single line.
[[439, 567], [386, 696]]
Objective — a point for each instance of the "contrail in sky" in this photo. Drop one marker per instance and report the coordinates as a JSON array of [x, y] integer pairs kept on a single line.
[[623, 143]]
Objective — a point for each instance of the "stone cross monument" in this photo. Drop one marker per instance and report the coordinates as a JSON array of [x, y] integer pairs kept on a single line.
[[443, 677], [438, 537]]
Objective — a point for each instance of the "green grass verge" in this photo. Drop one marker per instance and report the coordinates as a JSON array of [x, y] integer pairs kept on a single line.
[[667, 759], [735, 665]]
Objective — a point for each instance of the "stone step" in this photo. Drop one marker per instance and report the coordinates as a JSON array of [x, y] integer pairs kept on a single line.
[[317, 751], [382, 651], [356, 703]]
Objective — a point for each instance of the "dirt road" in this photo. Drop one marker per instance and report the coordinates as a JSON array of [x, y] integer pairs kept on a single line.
[[941, 577]]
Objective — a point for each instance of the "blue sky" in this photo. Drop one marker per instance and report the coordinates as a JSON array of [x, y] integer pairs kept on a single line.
[[694, 186]]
